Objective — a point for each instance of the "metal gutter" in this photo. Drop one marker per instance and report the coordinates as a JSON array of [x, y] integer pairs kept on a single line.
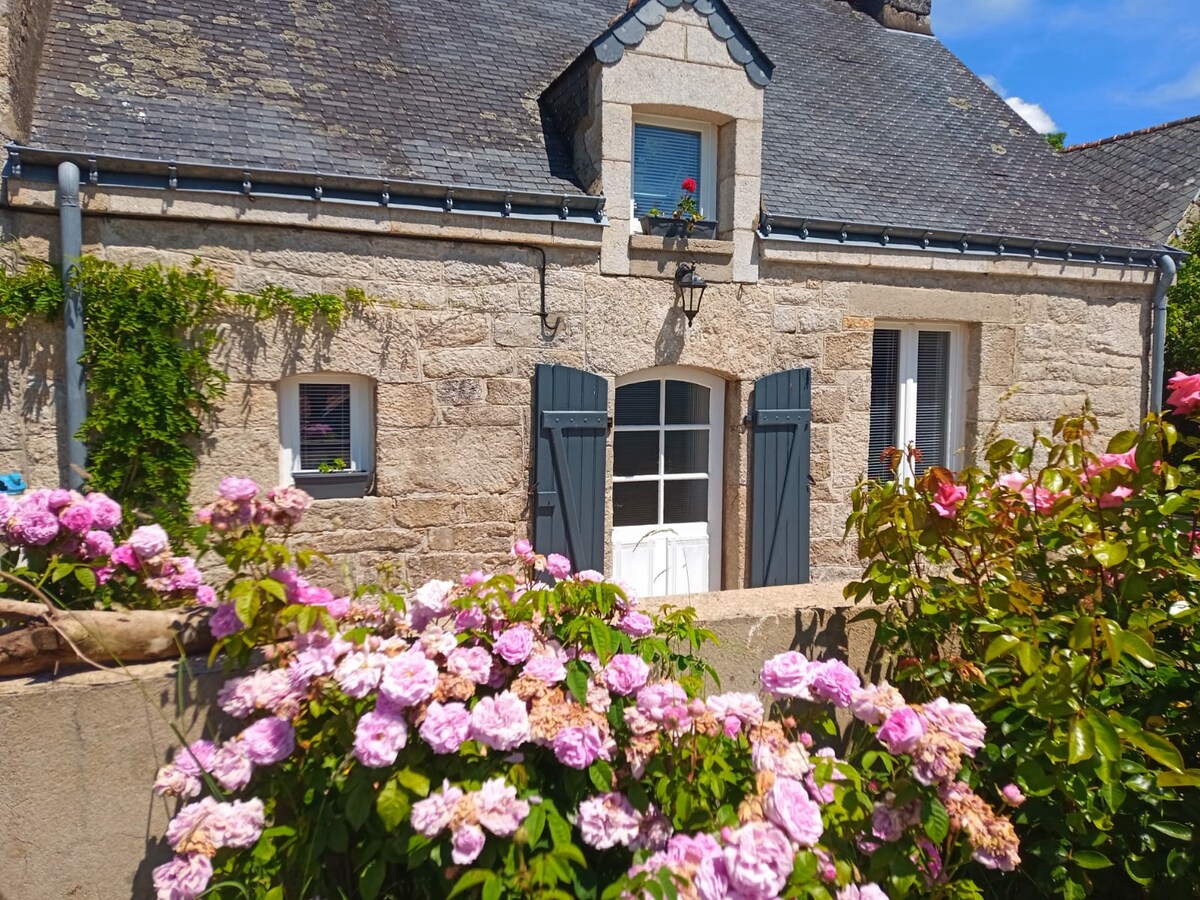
[[41, 166], [1167, 269], [71, 232], [962, 243]]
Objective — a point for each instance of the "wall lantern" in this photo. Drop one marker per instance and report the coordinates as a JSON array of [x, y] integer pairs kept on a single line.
[[689, 290]]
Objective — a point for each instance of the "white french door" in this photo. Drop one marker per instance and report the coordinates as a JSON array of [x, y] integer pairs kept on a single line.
[[667, 461]]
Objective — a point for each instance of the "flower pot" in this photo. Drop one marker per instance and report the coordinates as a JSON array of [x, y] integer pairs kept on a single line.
[[333, 485], [669, 226]]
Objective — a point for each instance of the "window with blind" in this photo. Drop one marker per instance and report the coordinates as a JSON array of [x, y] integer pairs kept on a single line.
[[914, 382], [665, 152], [326, 421]]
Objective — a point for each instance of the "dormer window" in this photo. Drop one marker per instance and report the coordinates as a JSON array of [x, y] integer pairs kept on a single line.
[[667, 151]]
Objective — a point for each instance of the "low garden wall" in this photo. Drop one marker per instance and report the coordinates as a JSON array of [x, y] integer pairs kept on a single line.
[[79, 752]]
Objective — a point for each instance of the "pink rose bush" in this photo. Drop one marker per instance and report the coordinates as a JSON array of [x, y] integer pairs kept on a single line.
[[525, 738]]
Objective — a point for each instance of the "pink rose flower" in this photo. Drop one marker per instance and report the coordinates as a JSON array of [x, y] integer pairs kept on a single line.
[[607, 821], [498, 808], [834, 681], [577, 747], [758, 859], [1012, 795], [98, 543], [957, 720], [446, 726], [106, 512], [471, 663], [946, 499], [625, 674], [408, 679], [378, 738], [558, 566], [788, 805], [787, 675], [183, 878], [225, 621], [1185, 393], [515, 644], [77, 518], [501, 722], [148, 541], [902, 730], [237, 490], [432, 815], [636, 624], [466, 843], [34, 526], [268, 741]]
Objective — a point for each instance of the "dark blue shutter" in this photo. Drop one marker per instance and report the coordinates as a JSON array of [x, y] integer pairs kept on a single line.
[[570, 429], [662, 159], [780, 496]]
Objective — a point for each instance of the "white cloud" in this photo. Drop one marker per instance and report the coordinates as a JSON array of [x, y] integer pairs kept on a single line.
[[1032, 113], [1186, 87], [994, 83]]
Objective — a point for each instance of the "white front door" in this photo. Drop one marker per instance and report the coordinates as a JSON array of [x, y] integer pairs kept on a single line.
[[667, 458]]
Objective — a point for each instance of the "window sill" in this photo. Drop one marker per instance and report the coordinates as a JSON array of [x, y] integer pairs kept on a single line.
[[651, 256], [333, 485], [717, 250]]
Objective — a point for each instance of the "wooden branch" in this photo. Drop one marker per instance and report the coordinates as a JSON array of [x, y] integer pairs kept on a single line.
[[57, 638]]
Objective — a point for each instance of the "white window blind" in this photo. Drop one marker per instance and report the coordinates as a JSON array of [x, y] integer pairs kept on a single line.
[[662, 159], [914, 382], [324, 425]]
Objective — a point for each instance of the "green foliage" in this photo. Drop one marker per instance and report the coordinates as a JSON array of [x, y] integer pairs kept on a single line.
[[150, 334], [1183, 311], [1056, 139], [1060, 600]]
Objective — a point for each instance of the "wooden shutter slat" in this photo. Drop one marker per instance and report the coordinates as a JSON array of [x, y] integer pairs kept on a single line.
[[779, 530], [570, 428]]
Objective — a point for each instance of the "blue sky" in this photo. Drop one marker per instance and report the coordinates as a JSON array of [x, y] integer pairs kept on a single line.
[[1093, 68]]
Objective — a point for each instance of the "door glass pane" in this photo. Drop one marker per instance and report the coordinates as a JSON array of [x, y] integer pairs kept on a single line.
[[686, 452], [885, 400], [687, 403], [685, 501], [637, 404], [635, 453], [933, 399], [324, 425], [635, 503]]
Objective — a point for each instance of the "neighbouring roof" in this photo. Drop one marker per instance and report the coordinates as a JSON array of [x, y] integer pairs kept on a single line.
[[862, 124], [1153, 175]]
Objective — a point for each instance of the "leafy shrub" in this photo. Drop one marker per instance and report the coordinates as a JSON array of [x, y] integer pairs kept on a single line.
[[1057, 591], [502, 737]]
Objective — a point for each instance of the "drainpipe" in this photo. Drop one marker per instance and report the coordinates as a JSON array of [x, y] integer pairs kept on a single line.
[[71, 222], [1158, 345]]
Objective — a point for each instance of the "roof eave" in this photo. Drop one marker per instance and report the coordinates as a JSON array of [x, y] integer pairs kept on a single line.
[[40, 165]]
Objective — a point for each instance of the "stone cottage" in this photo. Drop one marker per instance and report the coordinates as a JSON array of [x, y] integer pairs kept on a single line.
[[892, 258]]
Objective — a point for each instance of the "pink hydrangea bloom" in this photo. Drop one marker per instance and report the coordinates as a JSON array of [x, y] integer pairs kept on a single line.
[[238, 490], [625, 674], [409, 679], [946, 499], [148, 541], [558, 565], [498, 809], [446, 726], [378, 738], [432, 815], [834, 681], [607, 821], [787, 675], [183, 878], [501, 722], [1185, 393], [758, 860], [902, 730], [788, 805], [515, 644], [268, 741], [471, 663]]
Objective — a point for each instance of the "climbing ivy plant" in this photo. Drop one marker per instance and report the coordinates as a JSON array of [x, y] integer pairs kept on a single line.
[[1183, 311], [149, 338]]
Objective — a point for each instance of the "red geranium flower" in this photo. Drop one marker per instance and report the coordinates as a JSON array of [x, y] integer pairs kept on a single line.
[[689, 185]]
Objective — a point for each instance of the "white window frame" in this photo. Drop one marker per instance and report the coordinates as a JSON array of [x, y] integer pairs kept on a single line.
[[362, 422], [716, 462], [906, 406], [708, 161]]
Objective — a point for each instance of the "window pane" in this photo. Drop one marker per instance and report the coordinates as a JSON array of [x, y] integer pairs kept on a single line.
[[662, 159], [933, 399], [687, 403], [686, 452], [635, 453], [324, 424], [635, 503], [685, 501], [637, 404], [885, 400]]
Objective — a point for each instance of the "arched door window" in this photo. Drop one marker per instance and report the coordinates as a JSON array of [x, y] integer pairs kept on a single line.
[[667, 461]]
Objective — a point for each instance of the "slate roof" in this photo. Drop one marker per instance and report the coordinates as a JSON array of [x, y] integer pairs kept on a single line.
[[863, 124], [1154, 174]]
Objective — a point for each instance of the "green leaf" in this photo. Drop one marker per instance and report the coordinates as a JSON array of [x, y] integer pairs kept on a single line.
[[1109, 553], [601, 639], [393, 805], [600, 774], [1000, 646], [1090, 859], [86, 577], [492, 889], [471, 878], [1186, 778], [370, 879], [1156, 747], [1134, 645], [1029, 658], [1107, 740], [577, 682], [535, 823], [1177, 830], [1081, 741], [1113, 639], [937, 822], [414, 781]]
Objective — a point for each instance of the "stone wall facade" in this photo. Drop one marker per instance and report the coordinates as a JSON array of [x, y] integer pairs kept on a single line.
[[451, 337]]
